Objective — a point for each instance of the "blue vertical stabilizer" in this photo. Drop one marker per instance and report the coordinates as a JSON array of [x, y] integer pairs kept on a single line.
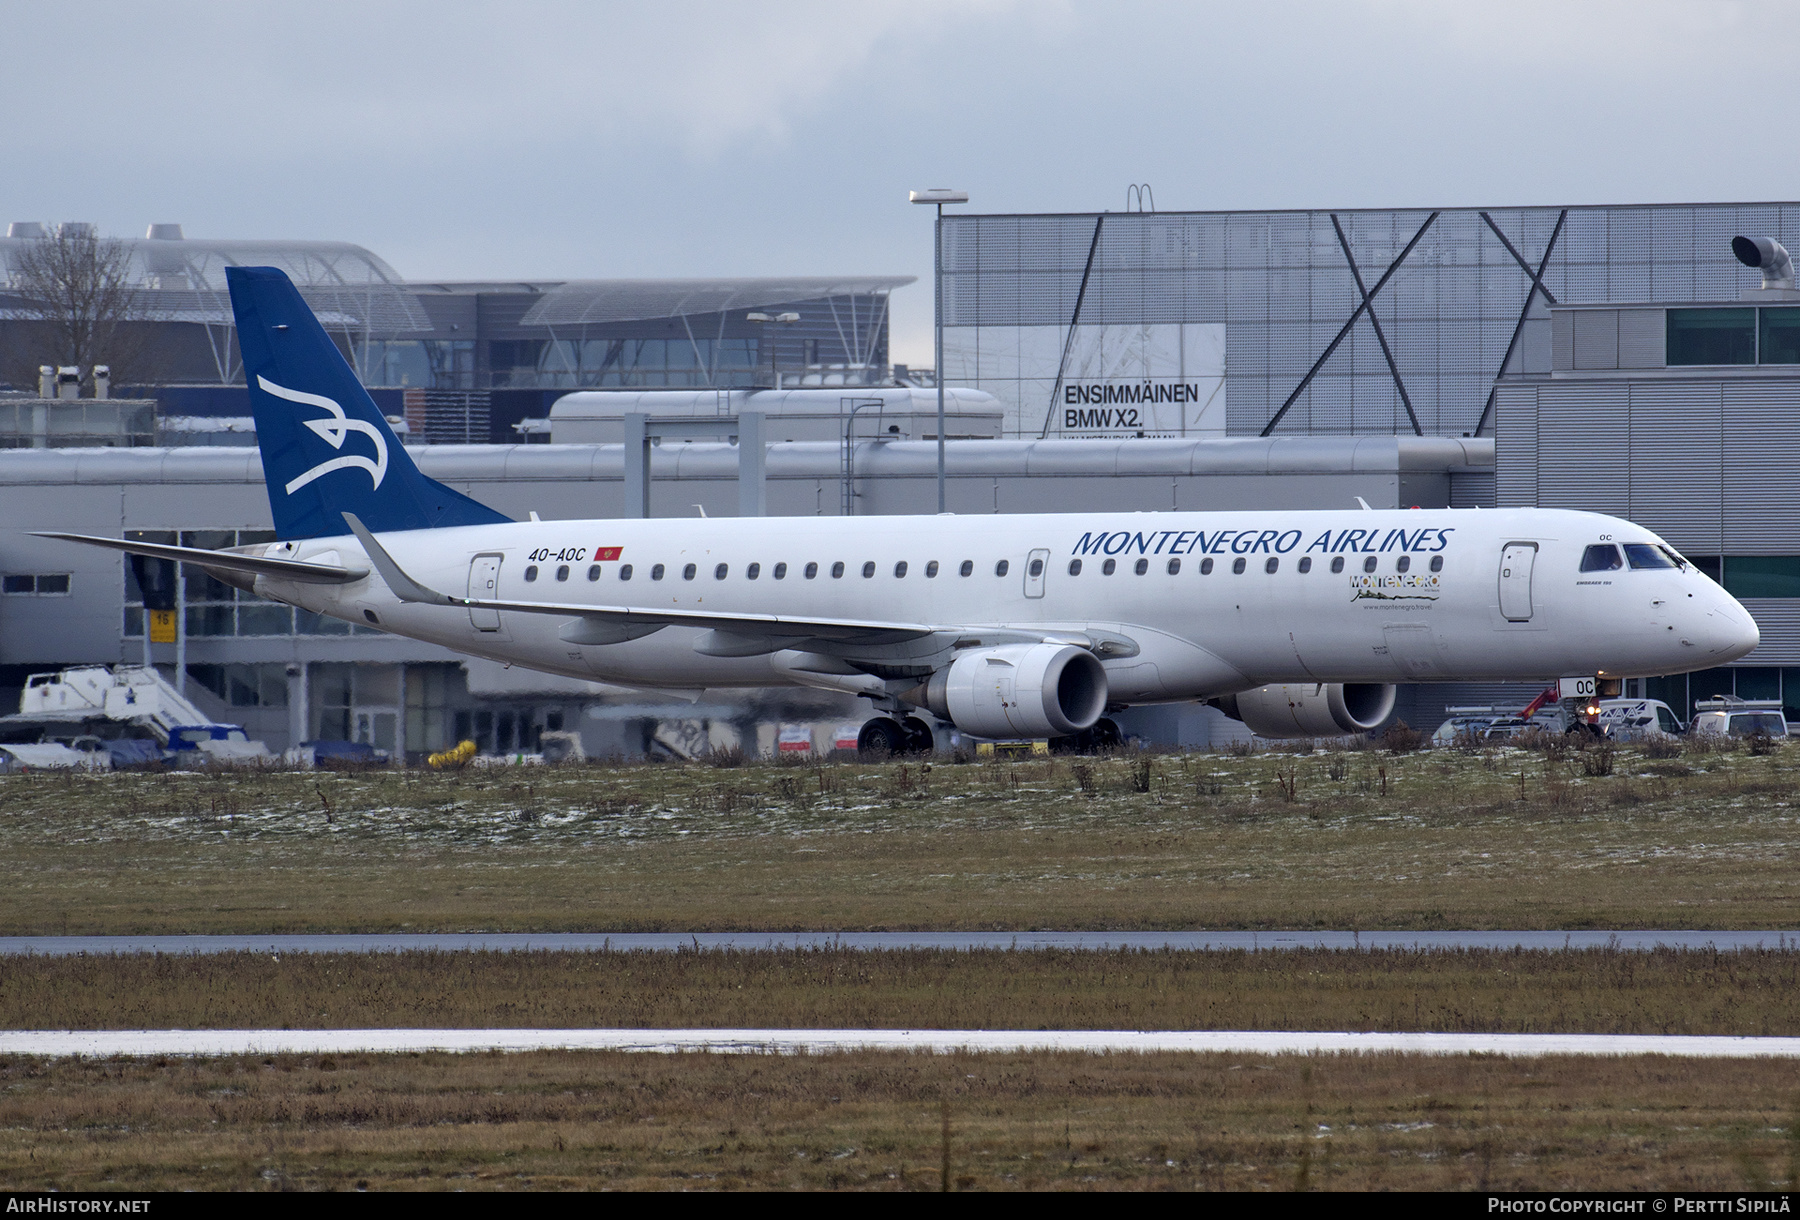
[[326, 449]]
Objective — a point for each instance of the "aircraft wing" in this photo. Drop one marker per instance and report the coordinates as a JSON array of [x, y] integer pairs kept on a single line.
[[282, 569], [771, 626]]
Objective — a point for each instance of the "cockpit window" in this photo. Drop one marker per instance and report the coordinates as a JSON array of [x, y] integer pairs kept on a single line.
[[1643, 555], [1673, 556], [1603, 557]]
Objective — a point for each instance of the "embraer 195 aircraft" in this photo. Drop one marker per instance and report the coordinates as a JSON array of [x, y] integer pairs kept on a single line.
[[1297, 623]]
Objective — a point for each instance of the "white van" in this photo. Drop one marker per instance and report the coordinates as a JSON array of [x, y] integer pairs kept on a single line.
[[1729, 717], [1636, 719]]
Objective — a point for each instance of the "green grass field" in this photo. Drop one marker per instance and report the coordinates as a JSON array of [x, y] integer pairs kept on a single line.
[[1500, 839]]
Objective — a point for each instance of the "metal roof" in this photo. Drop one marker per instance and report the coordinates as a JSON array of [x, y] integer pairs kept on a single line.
[[183, 280], [593, 301]]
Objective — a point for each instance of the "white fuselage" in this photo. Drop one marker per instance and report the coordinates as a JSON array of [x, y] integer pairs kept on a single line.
[[1419, 596]]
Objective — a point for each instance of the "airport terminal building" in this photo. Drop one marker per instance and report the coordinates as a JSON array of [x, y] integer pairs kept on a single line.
[[1611, 358]]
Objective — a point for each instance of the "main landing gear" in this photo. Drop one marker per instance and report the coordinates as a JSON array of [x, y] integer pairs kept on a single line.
[[1098, 738], [886, 737]]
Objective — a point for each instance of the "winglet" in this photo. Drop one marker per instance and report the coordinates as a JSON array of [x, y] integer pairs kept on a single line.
[[403, 586], [1365, 504]]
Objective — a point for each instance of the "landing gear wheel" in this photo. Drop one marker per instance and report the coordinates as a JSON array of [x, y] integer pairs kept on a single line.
[[1105, 735], [919, 737], [880, 738]]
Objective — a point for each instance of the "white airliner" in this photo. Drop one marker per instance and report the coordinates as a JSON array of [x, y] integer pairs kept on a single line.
[[1297, 623]]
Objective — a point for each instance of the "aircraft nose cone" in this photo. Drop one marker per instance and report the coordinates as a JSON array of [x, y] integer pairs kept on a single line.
[[1729, 632]]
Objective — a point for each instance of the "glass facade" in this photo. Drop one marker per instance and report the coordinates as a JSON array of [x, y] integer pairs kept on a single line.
[[1054, 314]]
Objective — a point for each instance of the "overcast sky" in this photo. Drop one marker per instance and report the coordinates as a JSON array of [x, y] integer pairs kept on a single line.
[[556, 140]]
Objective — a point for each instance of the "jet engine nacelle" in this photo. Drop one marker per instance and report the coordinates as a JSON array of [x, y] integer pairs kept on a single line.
[[1329, 709], [1018, 690]]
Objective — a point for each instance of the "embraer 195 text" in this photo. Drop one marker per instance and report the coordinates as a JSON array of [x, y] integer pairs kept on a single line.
[[1298, 623]]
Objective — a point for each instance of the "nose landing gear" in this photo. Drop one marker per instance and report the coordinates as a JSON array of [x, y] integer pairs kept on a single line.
[[886, 737]]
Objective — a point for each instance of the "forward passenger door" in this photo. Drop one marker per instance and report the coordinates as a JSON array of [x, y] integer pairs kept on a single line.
[[1516, 561]]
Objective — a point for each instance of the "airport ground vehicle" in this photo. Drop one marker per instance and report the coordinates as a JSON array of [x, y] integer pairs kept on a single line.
[[1299, 624], [1636, 719], [1472, 721], [1726, 716]]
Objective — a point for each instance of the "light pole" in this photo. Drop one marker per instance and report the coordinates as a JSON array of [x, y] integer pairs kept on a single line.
[[939, 196]]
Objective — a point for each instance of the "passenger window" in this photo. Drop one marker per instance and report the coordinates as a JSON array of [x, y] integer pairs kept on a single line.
[[837, 570], [1305, 564], [1074, 567], [967, 569], [1143, 565], [688, 572], [812, 570], [753, 571], [1174, 566], [1437, 563], [1001, 568], [1601, 558], [779, 572], [1109, 567], [1271, 566], [1402, 564], [531, 573], [719, 572], [656, 572], [1643, 555], [931, 570], [1369, 564], [1237, 566], [624, 571], [594, 571], [1206, 566], [868, 569], [1337, 564], [900, 569], [562, 573], [1036, 568]]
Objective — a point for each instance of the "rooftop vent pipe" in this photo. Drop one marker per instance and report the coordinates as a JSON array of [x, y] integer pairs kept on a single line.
[[1768, 256], [25, 228], [164, 233]]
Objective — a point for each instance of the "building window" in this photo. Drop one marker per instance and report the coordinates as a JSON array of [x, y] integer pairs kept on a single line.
[[1762, 575], [1711, 336], [1778, 336], [54, 584]]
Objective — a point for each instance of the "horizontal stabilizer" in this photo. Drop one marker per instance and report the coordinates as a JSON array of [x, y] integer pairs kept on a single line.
[[255, 565]]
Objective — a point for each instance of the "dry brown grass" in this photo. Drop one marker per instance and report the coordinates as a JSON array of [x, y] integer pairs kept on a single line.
[[876, 1121], [1587, 991], [1490, 838]]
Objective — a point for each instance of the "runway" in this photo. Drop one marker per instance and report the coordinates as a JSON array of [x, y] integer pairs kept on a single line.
[[1637, 940], [178, 1042]]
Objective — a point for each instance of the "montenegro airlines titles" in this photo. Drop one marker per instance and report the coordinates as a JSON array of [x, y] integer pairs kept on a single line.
[[1297, 622]]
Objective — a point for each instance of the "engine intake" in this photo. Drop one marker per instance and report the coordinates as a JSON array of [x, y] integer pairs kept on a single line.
[[1328, 709], [1018, 690]]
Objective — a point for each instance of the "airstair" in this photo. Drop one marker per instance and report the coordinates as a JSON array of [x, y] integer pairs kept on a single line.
[[134, 694]]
